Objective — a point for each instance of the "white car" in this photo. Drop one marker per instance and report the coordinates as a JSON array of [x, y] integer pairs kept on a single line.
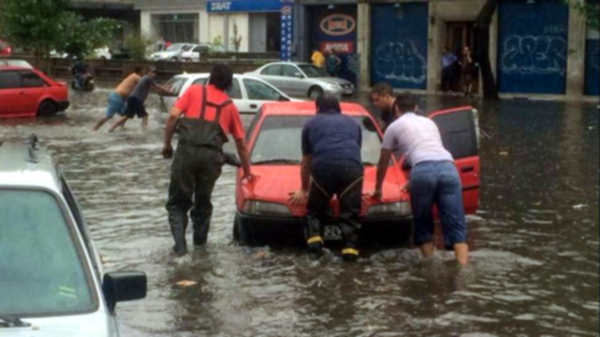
[[247, 92], [173, 53], [102, 53], [52, 281]]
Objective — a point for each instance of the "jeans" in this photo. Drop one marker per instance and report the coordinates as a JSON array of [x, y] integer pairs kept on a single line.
[[437, 183]]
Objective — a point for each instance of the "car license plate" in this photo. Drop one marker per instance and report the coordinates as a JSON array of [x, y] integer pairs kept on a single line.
[[332, 233]]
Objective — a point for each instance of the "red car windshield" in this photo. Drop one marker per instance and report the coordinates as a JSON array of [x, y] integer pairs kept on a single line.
[[279, 140]]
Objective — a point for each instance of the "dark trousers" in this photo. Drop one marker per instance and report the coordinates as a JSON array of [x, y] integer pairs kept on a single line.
[[194, 172], [345, 181]]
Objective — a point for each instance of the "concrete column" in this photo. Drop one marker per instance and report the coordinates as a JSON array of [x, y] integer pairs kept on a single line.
[[576, 54], [203, 31], [146, 24], [363, 47], [436, 31]]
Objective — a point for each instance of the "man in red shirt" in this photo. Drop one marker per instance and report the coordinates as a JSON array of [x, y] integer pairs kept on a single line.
[[209, 116]]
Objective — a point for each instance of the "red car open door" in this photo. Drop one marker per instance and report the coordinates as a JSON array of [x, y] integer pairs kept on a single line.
[[459, 128]]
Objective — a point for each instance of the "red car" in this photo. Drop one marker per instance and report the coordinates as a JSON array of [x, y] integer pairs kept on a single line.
[[26, 92], [264, 214], [5, 49]]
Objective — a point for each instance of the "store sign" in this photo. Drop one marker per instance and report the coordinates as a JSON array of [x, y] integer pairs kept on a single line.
[[338, 24], [216, 6], [339, 46], [287, 32]]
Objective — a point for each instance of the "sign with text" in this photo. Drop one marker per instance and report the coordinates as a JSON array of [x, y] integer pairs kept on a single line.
[[220, 6], [287, 31]]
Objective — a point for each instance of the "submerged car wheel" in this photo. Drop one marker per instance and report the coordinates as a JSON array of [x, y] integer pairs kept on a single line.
[[315, 92], [47, 108], [241, 233]]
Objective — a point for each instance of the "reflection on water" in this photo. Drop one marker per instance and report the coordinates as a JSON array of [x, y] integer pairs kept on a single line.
[[534, 269]]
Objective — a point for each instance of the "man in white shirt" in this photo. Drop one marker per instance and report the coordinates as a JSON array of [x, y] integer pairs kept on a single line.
[[433, 179]]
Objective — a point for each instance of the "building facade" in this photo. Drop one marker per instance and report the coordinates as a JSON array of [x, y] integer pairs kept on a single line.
[[236, 25], [536, 46]]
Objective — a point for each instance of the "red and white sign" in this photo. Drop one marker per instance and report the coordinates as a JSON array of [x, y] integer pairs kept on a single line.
[[339, 46], [338, 24]]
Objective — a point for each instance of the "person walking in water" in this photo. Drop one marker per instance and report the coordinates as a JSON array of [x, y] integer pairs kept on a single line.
[[331, 165], [135, 101], [209, 116], [433, 178], [117, 98]]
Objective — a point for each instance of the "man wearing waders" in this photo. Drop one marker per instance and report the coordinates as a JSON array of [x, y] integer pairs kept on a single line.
[[208, 116], [331, 164]]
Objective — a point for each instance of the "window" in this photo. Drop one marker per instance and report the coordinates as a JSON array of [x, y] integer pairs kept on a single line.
[[280, 138], [50, 279], [260, 91], [31, 80], [234, 92], [291, 71], [9, 80], [175, 84], [312, 71], [274, 70]]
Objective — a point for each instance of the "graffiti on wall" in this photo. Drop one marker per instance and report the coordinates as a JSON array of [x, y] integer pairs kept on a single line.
[[534, 54], [400, 61]]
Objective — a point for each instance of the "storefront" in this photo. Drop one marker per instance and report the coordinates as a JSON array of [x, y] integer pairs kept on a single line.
[[592, 60], [399, 44], [532, 46], [251, 25]]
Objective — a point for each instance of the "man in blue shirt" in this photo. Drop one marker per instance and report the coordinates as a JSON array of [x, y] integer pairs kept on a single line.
[[331, 145], [448, 70]]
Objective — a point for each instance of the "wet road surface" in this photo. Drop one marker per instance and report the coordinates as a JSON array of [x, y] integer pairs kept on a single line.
[[534, 260]]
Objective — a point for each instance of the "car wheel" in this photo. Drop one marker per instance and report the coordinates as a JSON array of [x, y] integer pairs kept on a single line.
[[47, 108], [174, 59], [315, 92], [241, 233]]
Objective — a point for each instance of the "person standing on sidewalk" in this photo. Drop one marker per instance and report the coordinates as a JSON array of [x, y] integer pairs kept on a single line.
[[331, 164], [433, 178], [208, 116], [135, 102], [117, 98]]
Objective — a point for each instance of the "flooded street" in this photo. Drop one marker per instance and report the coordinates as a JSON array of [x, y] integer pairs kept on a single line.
[[534, 260]]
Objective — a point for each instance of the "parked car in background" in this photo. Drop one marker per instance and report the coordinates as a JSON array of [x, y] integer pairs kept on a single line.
[[52, 281], [5, 49], [27, 92], [102, 53], [264, 214], [15, 63], [247, 92], [303, 80], [172, 53]]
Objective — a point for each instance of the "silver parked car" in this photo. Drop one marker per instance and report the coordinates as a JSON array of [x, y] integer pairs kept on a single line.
[[51, 278], [303, 79], [248, 93], [173, 53]]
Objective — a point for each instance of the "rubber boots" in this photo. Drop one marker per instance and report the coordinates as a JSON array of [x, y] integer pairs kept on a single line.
[[201, 227], [178, 222], [312, 233], [349, 232]]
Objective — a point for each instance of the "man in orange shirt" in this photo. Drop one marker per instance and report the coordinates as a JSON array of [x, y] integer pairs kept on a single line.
[[208, 116]]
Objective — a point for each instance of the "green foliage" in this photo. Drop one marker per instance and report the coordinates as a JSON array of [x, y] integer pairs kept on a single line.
[[80, 37], [43, 25], [137, 46], [32, 23], [218, 41]]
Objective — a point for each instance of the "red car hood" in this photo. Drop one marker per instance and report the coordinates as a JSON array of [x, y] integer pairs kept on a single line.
[[274, 183]]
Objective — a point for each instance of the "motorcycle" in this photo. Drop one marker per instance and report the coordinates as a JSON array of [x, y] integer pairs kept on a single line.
[[83, 82]]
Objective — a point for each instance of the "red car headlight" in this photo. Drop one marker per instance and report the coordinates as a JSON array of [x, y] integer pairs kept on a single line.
[[390, 209], [256, 207]]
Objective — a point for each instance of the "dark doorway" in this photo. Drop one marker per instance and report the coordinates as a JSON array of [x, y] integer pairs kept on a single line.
[[273, 31], [459, 35]]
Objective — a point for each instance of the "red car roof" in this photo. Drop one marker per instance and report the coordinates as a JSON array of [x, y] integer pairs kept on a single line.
[[308, 108]]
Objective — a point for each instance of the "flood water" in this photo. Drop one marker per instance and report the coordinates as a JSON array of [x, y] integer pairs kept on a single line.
[[534, 262]]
